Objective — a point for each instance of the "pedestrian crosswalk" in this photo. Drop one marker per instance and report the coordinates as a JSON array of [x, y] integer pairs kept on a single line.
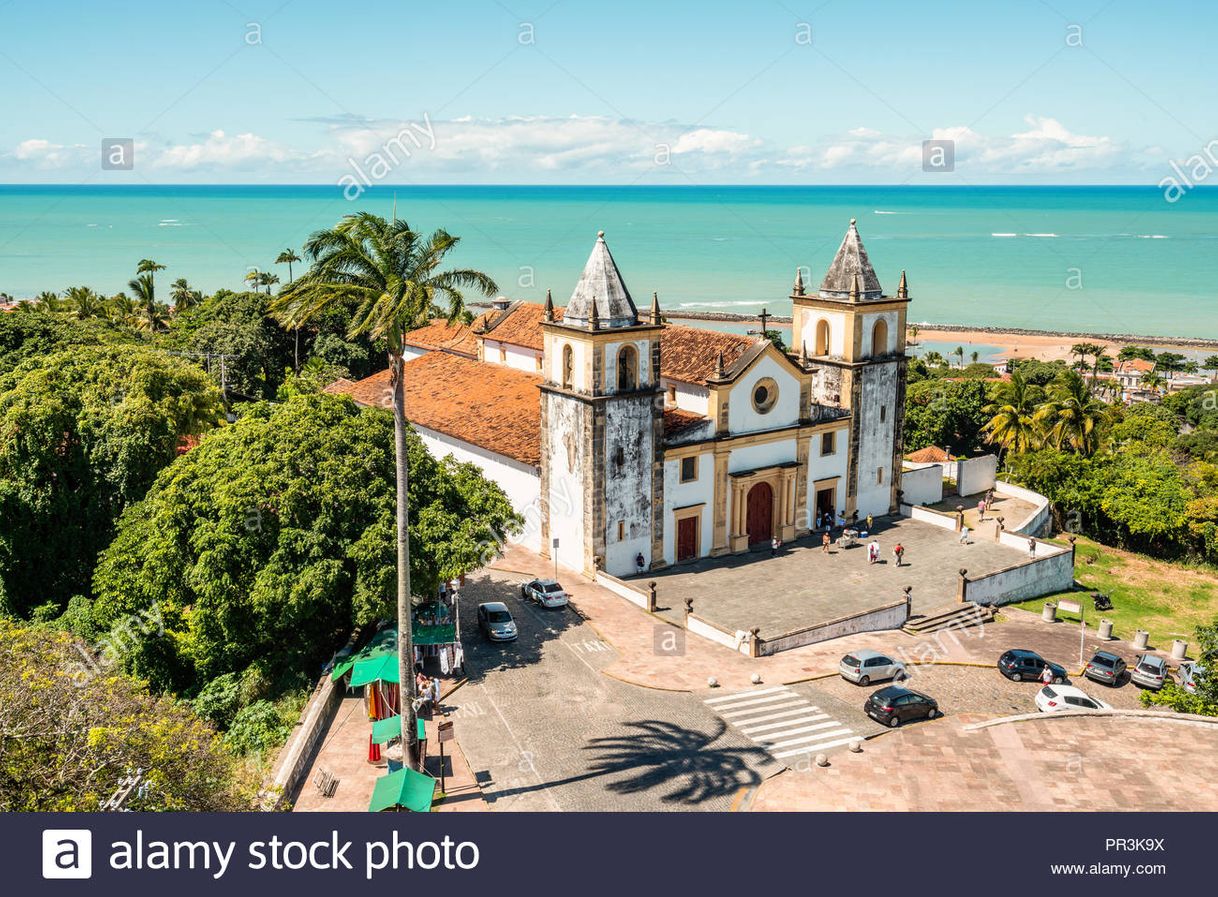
[[781, 720]]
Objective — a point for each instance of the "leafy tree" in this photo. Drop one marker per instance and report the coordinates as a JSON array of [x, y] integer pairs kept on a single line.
[[71, 728], [1128, 353], [38, 334], [394, 275], [1072, 417], [184, 298], [257, 728], [1169, 363], [83, 434], [151, 312], [945, 413], [274, 537], [1036, 372], [83, 302], [1146, 423], [1012, 424]]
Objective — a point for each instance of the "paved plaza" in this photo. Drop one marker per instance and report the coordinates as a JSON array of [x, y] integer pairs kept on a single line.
[[802, 585]]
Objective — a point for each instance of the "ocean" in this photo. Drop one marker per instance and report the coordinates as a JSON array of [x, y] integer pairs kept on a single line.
[[1091, 259]]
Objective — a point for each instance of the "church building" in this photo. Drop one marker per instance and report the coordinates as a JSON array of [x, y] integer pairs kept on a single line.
[[619, 436]]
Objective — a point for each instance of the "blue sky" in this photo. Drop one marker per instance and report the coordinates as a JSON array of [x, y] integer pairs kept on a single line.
[[617, 91]]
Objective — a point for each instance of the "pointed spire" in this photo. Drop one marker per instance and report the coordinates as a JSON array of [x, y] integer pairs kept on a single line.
[[549, 306], [851, 262], [602, 289], [803, 352], [594, 319], [799, 282], [655, 309], [902, 287], [719, 371], [855, 288]]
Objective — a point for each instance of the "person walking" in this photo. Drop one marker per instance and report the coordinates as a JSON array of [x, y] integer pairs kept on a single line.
[[1032, 549], [873, 551], [964, 535], [1046, 676], [870, 523], [825, 540], [981, 510], [898, 553], [773, 546]]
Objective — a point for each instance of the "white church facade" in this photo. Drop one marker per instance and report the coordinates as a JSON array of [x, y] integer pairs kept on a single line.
[[619, 436]]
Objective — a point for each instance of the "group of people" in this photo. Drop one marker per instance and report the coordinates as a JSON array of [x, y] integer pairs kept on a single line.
[[873, 553], [427, 688]]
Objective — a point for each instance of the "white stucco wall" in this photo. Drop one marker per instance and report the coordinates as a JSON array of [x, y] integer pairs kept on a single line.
[[679, 495], [520, 482], [628, 485], [642, 360], [767, 454], [695, 399], [741, 415], [876, 415], [517, 357], [823, 467], [837, 331], [922, 484], [412, 352], [976, 475], [581, 372], [890, 343], [566, 489]]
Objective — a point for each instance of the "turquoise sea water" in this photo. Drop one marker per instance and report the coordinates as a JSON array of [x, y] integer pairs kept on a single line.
[[1097, 259]]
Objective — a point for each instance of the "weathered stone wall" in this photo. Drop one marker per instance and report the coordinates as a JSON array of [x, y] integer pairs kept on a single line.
[[628, 457], [876, 415], [566, 424]]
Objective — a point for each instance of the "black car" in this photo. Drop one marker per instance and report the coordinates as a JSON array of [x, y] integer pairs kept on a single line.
[[895, 705], [1022, 665]]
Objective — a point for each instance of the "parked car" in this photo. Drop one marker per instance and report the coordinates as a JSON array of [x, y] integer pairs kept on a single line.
[[546, 592], [895, 705], [1106, 668], [495, 621], [867, 666], [1020, 664], [1052, 698], [1189, 672], [1149, 671]]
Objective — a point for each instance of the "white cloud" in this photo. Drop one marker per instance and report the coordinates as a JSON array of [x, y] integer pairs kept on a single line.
[[45, 154], [219, 150]]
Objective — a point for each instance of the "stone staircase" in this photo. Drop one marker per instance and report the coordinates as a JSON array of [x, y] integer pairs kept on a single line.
[[953, 616]]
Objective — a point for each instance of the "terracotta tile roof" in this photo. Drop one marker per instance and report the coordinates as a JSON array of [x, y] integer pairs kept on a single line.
[[1135, 364], [440, 335], [520, 325], [492, 406], [678, 422], [932, 454], [690, 354]]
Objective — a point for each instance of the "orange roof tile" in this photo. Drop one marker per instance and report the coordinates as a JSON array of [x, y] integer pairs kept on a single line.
[[690, 354], [520, 325], [677, 422], [1135, 364], [932, 454], [441, 335], [492, 406]]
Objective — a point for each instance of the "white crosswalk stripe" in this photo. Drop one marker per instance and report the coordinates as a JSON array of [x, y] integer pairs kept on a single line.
[[781, 720]]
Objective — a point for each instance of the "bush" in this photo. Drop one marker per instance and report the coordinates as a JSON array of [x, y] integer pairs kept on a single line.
[[219, 700], [258, 728], [1175, 698]]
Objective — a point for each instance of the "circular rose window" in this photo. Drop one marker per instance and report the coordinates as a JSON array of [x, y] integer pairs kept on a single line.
[[765, 394]]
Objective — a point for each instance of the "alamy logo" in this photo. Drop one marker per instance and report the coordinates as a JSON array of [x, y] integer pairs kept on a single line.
[[67, 853]]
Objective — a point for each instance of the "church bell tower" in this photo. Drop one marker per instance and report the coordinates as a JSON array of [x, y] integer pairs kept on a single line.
[[601, 425], [854, 335]]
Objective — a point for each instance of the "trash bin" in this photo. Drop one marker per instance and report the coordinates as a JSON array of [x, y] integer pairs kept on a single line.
[[1105, 629], [1140, 639], [1179, 649], [1049, 614]]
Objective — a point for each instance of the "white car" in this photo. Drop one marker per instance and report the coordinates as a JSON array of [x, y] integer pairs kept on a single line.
[[1053, 698], [1189, 671], [546, 592]]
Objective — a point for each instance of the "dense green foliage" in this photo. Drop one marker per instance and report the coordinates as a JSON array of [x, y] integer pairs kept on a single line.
[[275, 536], [946, 413], [71, 728], [1205, 700], [36, 334], [83, 434]]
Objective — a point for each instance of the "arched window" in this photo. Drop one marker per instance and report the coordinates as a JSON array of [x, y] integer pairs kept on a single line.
[[627, 368], [822, 338], [879, 338], [568, 366]]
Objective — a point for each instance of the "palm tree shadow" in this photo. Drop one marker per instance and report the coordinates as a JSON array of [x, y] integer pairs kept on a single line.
[[658, 753]]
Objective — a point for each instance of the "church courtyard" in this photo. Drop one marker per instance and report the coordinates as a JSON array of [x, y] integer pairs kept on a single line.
[[802, 585]]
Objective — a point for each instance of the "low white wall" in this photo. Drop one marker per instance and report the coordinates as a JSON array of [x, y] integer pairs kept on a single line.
[[946, 521], [1038, 522], [712, 632], [1046, 575], [293, 761], [974, 475], [922, 485], [621, 589], [890, 616]]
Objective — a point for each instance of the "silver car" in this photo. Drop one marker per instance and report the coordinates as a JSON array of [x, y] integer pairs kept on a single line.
[[867, 666], [1190, 671], [496, 621], [1149, 671]]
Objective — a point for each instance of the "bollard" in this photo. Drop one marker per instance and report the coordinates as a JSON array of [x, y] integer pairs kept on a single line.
[[756, 678], [1179, 649], [856, 746], [1049, 614], [1140, 640], [1105, 629], [822, 760], [712, 682]]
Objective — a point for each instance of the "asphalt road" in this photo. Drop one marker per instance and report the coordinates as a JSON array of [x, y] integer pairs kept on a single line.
[[544, 729]]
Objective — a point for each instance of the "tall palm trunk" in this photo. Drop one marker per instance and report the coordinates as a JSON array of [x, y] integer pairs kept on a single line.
[[410, 740]]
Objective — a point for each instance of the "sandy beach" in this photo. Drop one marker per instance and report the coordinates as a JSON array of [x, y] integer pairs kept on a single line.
[[1053, 346]]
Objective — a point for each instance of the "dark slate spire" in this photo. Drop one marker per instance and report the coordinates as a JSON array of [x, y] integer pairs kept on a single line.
[[849, 264], [656, 317], [719, 371], [601, 294], [549, 306], [799, 282], [902, 288]]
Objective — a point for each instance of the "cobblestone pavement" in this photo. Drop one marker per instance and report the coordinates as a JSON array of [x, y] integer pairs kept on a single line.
[[543, 729], [1047, 763]]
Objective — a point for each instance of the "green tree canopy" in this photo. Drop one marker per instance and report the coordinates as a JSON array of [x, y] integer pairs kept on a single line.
[[275, 536], [945, 413], [83, 434]]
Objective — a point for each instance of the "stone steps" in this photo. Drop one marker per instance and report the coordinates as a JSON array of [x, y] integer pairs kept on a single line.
[[954, 616]]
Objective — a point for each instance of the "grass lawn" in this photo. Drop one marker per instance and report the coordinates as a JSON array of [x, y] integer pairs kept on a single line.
[[1167, 600]]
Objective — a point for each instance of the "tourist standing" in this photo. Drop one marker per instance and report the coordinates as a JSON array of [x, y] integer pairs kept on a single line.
[[1032, 549], [824, 542], [870, 523], [898, 553], [964, 535], [981, 510], [873, 551]]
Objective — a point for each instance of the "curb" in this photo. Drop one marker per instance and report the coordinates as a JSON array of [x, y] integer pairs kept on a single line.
[[1169, 716]]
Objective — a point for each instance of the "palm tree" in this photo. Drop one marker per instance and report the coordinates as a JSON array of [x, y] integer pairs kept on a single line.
[[266, 279], [184, 298], [144, 289], [84, 302], [974, 356], [286, 258], [1012, 424], [253, 277], [121, 309], [934, 358], [1072, 417], [148, 266], [913, 330], [47, 300], [959, 353], [1153, 381], [393, 275]]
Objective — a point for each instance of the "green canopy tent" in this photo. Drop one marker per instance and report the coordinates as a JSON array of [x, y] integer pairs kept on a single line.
[[375, 669], [383, 644], [385, 730], [405, 789]]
